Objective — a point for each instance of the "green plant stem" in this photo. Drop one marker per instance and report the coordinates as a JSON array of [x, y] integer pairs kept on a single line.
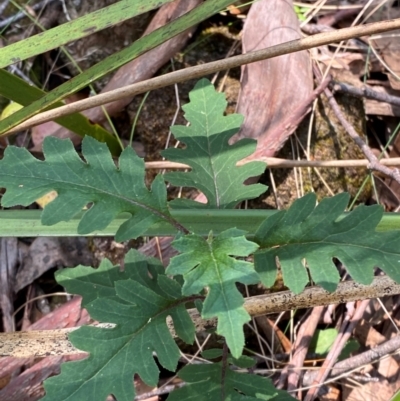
[[225, 366], [139, 110], [26, 223]]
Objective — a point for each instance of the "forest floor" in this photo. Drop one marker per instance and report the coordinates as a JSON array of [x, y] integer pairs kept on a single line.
[[318, 136]]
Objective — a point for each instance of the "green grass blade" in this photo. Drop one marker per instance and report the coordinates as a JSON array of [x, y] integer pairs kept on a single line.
[[144, 44], [76, 29], [26, 223], [19, 91]]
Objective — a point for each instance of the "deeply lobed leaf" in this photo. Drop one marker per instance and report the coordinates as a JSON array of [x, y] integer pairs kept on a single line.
[[208, 153], [316, 234], [111, 189], [138, 300], [207, 382], [92, 284], [210, 263]]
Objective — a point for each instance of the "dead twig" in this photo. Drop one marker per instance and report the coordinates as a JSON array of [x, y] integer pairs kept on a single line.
[[365, 92], [344, 334], [374, 163], [160, 391], [21, 14], [275, 162], [209, 68], [3, 6], [292, 371], [357, 361], [55, 342]]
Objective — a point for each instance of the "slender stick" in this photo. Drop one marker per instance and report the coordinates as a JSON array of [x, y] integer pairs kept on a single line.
[[210, 68], [365, 91], [357, 361], [291, 372], [340, 341], [374, 162], [274, 162], [22, 14], [55, 342]]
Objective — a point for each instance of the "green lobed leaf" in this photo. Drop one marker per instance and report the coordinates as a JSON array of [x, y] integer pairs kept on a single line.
[[243, 362], [113, 190], [210, 263], [136, 302], [316, 234], [100, 283], [208, 382], [208, 153]]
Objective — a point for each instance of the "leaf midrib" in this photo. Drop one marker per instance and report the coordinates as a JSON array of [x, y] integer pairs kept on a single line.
[[217, 199], [131, 337], [101, 191], [342, 244]]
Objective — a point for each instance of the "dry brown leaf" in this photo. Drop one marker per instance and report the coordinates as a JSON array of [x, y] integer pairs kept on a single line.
[[373, 391], [272, 89], [388, 45], [48, 252]]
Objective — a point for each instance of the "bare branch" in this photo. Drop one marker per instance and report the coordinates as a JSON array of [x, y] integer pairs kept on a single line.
[[374, 163], [275, 162], [55, 342], [365, 91], [357, 361]]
